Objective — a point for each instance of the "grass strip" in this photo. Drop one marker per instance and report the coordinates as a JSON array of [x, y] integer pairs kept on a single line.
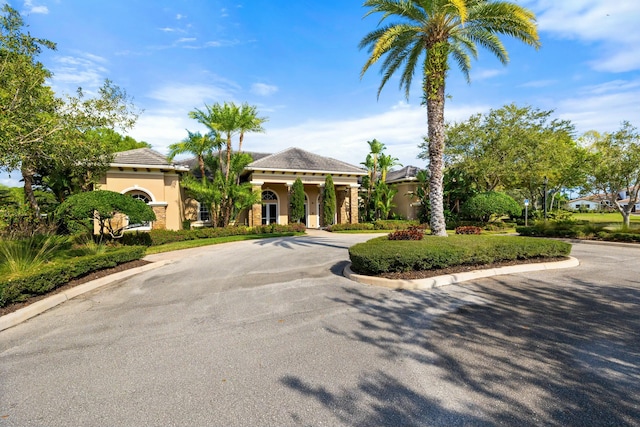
[[176, 246]]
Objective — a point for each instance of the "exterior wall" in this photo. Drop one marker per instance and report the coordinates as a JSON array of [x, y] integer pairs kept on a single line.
[[163, 188], [280, 183], [406, 207], [583, 204]]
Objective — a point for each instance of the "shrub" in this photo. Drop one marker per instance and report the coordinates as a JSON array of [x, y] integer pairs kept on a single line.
[[48, 277], [29, 253], [394, 224], [357, 226], [381, 255], [411, 233], [468, 229], [484, 206]]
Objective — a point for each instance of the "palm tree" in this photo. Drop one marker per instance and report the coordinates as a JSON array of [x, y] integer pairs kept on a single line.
[[249, 122], [197, 144], [437, 30], [223, 118], [386, 162]]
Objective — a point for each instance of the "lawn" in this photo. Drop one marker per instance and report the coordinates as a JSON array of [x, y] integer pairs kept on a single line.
[[609, 219]]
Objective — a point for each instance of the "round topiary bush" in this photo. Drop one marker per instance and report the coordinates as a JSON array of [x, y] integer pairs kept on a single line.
[[485, 206]]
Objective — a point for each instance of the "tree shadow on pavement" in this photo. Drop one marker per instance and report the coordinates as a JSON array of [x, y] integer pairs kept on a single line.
[[510, 350]]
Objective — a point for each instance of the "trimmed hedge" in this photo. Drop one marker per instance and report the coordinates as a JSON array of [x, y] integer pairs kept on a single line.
[[382, 255], [579, 230], [376, 225], [161, 237], [51, 276]]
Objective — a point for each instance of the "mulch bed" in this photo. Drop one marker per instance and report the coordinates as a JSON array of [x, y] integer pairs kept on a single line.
[[75, 282]]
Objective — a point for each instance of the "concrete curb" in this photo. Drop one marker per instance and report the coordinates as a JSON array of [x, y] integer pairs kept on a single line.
[[9, 320], [450, 279]]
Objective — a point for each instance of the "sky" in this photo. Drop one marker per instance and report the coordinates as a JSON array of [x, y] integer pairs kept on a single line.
[[299, 63]]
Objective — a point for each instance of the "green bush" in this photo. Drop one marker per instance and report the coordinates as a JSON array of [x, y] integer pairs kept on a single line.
[[343, 227], [484, 206], [395, 224], [20, 287], [562, 229], [382, 255]]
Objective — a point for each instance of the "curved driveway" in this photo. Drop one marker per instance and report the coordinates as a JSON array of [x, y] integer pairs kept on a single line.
[[269, 333]]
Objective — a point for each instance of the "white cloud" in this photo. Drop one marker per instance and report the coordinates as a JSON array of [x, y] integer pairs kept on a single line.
[[486, 74], [613, 25], [401, 129], [186, 40], [180, 16], [602, 107], [263, 89], [31, 8], [85, 70]]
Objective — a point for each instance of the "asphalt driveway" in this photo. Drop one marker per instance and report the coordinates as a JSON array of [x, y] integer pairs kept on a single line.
[[269, 333]]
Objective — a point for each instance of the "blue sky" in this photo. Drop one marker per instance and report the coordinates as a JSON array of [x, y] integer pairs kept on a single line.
[[298, 61]]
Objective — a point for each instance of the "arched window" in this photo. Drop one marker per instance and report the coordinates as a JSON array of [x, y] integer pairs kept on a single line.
[[269, 207], [139, 195]]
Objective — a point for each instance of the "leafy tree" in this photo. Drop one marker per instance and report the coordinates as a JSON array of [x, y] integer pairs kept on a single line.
[[328, 202], [437, 30], [199, 145], [104, 206], [296, 208], [491, 204], [614, 167], [113, 141], [514, 148], [40, 132]]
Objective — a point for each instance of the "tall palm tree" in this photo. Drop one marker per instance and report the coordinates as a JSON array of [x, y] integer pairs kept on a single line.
[[197, 144], [223, 118], [427, 34], [249, 122], [386, 162]]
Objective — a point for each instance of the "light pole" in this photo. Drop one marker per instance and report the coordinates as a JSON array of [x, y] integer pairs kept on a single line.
[[526, 211], [544, 196]]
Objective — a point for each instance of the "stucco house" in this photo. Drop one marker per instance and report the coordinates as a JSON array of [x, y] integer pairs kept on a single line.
[[406, 182], [146, 174]]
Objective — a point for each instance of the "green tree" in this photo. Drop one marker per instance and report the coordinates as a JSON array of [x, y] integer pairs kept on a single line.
[[383, 199], [328, 202], [488, 205], [199, 145], [296, 207], [40, 132], [113, 141], [614, 167], [438, 30], [513, 148], [104, 206], [249, 121]]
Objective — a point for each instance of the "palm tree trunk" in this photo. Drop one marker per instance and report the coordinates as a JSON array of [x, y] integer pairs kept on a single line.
[[228, 169], [435, 72], [203, 177], [240, 142]]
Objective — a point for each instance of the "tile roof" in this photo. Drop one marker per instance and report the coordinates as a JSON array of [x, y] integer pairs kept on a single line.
[[404, 174], [192, 162], [141, 156], [297, 159]]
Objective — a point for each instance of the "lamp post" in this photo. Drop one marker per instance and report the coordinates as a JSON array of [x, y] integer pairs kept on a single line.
[[526, 211], [544, 196]]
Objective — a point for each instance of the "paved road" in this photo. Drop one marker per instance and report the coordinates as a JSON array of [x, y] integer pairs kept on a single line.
[[269, 333]]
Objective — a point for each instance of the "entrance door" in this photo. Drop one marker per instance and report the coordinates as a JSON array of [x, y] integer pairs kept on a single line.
[[269, 207], [269, 213]]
